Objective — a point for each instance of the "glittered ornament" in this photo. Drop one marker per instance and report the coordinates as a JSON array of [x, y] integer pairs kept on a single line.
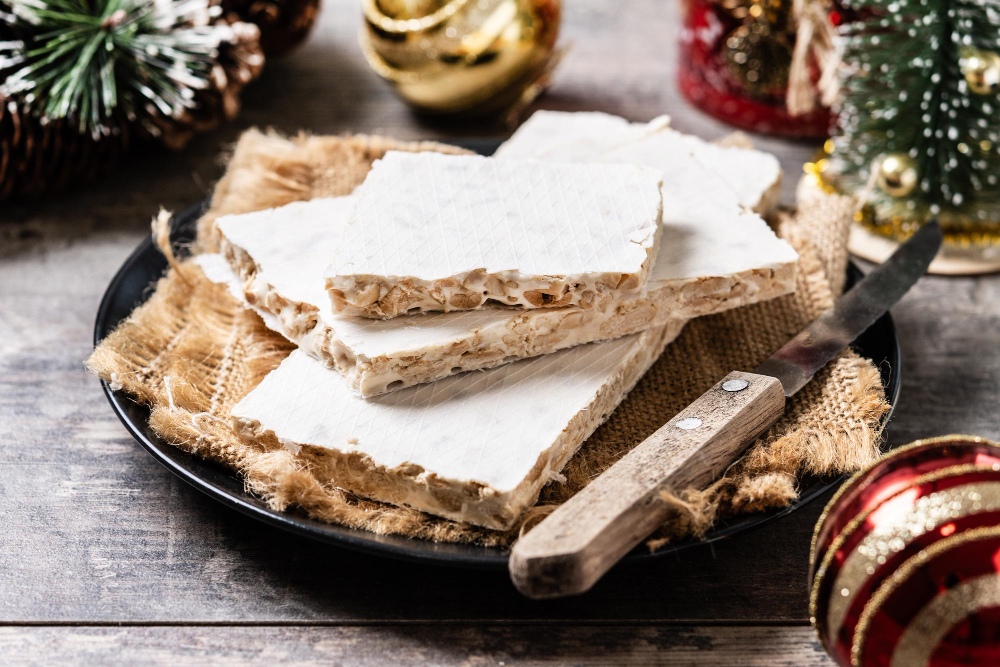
[[738, 63], [981, 70], [905, 561], [758, 58], [462, 56], [897, 175], [758, 53]]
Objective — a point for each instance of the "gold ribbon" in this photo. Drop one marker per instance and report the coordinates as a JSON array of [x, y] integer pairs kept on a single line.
[[823, 569], [929, 513], [853, 483], [917, 643], [900, 576]]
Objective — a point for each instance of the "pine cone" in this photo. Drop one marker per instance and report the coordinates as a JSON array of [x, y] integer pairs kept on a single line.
[[283, 24], [240, 62], [39, 158]]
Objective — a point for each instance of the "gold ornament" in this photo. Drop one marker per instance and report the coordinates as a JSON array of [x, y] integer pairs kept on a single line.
[[897, 176], [981, 70], [462, 56], [960, 230], [759, 52], [758, 59]]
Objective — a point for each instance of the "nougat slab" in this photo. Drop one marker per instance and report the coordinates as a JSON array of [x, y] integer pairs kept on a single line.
[[477, 447], [709, 234], [752, 175], [278, 256], [434, 232], [724, 259]]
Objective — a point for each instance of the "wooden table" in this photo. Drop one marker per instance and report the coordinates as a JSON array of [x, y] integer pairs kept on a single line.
[[105, 556]]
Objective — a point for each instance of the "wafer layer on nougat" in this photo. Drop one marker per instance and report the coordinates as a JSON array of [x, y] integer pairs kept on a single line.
[[753, 176], [434, 232], [476, 448]]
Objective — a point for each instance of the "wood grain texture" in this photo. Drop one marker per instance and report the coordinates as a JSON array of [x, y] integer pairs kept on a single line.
[[574, 546], [416, 644], [94, 530]]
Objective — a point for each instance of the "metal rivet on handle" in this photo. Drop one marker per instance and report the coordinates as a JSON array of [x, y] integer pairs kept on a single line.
[[735, 385], [689, 423]]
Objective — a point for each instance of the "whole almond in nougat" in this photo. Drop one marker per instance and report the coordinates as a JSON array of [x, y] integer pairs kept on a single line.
[[434, 232]]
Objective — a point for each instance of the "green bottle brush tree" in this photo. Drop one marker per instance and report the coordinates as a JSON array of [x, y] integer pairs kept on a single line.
[[918, 130]]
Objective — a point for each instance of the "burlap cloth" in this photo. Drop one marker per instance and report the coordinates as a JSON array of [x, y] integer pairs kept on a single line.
[[191, 352]]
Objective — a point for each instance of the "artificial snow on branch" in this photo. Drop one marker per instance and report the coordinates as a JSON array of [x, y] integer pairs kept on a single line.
[[919, 111], [90, 59]]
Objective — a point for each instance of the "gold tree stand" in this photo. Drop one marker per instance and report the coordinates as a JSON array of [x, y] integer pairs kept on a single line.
[[951, 260]]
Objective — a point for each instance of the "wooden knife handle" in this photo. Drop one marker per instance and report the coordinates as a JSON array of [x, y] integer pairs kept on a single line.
[[575, 545]]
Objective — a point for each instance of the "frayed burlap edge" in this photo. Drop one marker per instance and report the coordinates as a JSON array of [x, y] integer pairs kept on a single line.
[[191, 352]]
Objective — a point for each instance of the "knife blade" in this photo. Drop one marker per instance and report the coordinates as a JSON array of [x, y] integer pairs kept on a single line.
[[568, 551], [853, 312]]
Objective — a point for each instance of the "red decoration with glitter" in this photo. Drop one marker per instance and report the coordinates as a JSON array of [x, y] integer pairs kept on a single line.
[[705, 79], [906, 558]]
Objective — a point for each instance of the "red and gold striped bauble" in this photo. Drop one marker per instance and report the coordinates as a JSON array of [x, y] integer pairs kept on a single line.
[[905, 562]]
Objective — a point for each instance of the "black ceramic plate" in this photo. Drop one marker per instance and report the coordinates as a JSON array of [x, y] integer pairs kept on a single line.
[[132, 285]]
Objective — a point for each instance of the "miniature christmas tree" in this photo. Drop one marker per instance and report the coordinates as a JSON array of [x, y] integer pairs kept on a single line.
[[919, 115]]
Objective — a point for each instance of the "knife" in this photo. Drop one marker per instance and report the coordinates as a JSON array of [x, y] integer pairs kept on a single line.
[[573, 547]]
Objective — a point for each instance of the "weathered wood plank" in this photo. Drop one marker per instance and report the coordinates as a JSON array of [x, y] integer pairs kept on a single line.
[[414, 644], [120, 539], [92, 529], [950, 333]]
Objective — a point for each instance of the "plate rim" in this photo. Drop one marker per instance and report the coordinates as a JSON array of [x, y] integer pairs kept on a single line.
[[399, 547]]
